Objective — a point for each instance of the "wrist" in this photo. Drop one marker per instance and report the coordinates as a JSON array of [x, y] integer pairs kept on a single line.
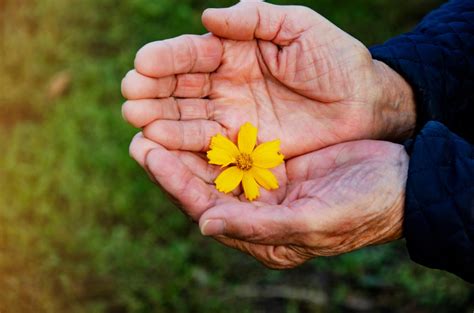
[[395, 106]]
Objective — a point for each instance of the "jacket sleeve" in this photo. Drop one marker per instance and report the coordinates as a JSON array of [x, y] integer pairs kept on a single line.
[[439, 206], [437, 59]]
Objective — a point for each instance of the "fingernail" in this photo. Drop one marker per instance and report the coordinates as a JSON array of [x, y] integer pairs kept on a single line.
[[213, 227]]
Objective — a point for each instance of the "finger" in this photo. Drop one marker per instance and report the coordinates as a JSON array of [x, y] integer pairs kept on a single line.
[[194, 195], [258, 20], [139, 148], [192, 85], [137, 86], [184, 54], [268, 225], [199, 166], [140, 113], [273, 57], [192, 135]]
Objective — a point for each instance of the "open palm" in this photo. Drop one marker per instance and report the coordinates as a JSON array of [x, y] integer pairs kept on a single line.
[[332, 201], [287, 70]]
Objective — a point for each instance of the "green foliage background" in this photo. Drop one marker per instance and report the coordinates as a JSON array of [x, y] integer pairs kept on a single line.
[[81, 227]]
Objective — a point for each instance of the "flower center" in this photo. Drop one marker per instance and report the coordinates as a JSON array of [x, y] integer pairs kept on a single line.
[[244, 162]]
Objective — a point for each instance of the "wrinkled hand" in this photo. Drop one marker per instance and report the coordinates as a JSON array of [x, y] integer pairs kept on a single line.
[[285, 69], [332, 201]]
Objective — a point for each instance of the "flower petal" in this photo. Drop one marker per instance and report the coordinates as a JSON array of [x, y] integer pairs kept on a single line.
[[267, 155], [223, 151], [247, 138], [229, 179], [251, 188], [264, 177], [220, 157]]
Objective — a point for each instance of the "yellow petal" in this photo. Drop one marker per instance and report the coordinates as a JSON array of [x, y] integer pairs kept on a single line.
[[223, 151], [229, 179], [264, 177], [251, 188], [220, 157], [247, 138], [267, 155]]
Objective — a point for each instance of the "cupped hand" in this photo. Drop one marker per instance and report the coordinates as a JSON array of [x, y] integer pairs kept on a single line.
[[285, 69], [332, 201]]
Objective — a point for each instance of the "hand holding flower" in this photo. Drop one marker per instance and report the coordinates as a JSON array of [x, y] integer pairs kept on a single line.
[[332, 201], [298, 78]]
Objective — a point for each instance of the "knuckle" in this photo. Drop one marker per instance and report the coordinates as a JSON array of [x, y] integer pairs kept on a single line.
[[167, 86], [207, 85], [191, 51], [279, 257], [210, 108]]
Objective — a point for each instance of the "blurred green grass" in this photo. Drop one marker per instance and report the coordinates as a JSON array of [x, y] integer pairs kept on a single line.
[[81, 227]]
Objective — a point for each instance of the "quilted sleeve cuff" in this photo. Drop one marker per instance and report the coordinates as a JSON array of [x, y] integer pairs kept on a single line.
[[439, 207]]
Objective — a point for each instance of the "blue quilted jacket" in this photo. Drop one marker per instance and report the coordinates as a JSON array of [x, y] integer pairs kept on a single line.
[[437, 59]]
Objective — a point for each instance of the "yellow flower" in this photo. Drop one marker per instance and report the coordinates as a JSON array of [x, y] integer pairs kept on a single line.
[[250, 165]]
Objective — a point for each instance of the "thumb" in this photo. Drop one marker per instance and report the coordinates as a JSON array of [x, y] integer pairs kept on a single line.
[[268, 225], [250, 20]]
